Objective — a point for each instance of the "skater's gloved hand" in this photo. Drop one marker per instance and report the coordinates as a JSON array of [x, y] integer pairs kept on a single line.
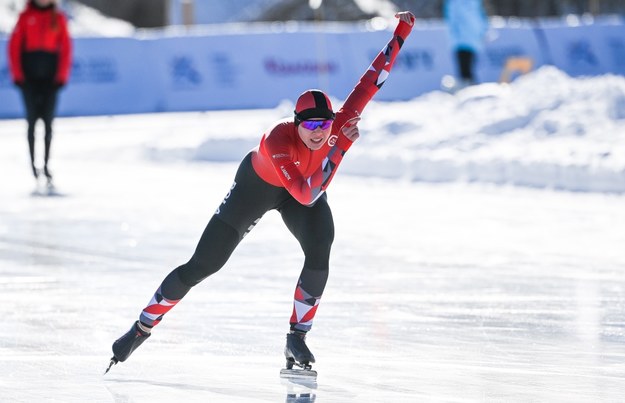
[[350, 129], [406, 16], [406, 22]]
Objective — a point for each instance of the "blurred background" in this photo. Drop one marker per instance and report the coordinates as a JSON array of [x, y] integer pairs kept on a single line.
[[160, 13], [141, 56]]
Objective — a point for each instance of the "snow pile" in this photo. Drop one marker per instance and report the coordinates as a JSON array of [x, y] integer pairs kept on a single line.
[[87, 21], [9, 11], [545, 130], [83, 20]]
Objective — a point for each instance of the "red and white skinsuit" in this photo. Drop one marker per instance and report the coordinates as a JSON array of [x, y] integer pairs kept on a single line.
[[281, 174], [282, 159]]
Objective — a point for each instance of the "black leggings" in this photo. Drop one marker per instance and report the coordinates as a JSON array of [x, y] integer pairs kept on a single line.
[[466, 61], [40, 102], [247, 201]]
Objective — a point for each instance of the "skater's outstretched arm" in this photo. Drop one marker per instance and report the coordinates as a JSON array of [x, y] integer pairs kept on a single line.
[[377, 73], [307, 190]]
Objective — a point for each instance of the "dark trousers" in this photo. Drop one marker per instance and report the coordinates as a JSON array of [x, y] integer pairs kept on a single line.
[[466, 60], [40, 103], [247, 201]]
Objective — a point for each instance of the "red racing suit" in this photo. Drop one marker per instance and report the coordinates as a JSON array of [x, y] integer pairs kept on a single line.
[[283, 160], [281, 174], [40, 46]]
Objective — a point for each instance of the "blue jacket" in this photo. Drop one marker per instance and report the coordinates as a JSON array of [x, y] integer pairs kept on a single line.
[[467, 23]]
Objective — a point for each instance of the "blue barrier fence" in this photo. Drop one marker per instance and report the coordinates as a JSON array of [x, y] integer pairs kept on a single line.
[[260, 70]]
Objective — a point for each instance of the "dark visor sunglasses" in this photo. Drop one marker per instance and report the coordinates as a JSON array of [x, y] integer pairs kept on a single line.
[[313, 124]]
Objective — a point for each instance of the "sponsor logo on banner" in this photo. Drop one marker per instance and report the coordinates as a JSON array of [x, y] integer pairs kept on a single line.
[[184, 74], [298, 67], [224, 71], [98, 70], [497, 55], [581, 53], [415, 59], [412, 59]]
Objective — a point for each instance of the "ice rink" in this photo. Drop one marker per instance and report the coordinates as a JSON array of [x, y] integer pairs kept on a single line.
[[438, 292]]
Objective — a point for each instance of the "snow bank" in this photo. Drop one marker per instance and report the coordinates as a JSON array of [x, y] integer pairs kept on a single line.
[[83, 20], [545, 130]]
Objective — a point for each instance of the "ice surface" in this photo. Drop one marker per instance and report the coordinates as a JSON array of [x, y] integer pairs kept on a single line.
[[444, 292]]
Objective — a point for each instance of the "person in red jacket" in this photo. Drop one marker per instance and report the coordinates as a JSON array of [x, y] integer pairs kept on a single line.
[[40, 60], [289, 172]]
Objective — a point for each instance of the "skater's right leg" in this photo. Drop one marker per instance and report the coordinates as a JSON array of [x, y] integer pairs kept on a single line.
[[314, 229], [248, 199], [215, 247]]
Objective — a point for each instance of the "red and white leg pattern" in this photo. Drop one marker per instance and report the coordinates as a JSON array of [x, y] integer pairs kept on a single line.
[[158, 306], [304, 309]]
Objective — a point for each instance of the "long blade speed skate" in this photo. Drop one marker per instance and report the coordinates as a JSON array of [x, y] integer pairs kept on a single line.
[[297, 354], [125, 345]]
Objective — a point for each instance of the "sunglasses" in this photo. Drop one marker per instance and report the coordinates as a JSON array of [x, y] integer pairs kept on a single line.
[[314, 124]]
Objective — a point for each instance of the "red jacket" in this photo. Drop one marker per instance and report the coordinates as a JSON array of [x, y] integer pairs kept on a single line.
[[40, 47], [282, 159]]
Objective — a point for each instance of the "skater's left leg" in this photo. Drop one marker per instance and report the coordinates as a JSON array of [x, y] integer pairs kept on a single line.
[[314, 229]]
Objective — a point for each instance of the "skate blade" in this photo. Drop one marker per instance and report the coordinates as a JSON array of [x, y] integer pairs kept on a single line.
[[298, 373], [113, 362]]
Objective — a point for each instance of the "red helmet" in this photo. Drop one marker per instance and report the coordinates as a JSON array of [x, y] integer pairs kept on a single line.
[[313, 104]]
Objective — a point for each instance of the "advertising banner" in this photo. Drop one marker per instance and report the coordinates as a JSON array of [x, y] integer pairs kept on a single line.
[[241, 70]]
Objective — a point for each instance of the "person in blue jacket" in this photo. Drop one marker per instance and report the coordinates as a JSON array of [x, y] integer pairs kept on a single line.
[[467, 23]]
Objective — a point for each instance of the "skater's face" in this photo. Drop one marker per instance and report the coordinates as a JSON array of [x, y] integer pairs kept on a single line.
[[314, 132]]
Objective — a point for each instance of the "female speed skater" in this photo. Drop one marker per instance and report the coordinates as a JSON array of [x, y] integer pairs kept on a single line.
[[289, 172]]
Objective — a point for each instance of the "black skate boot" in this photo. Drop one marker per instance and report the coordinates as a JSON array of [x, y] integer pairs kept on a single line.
[[125, 345], [297, 353], [47, 172], [48, 175]]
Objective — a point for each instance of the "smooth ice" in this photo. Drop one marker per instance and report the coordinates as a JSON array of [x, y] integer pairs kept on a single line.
[[447, 292]]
